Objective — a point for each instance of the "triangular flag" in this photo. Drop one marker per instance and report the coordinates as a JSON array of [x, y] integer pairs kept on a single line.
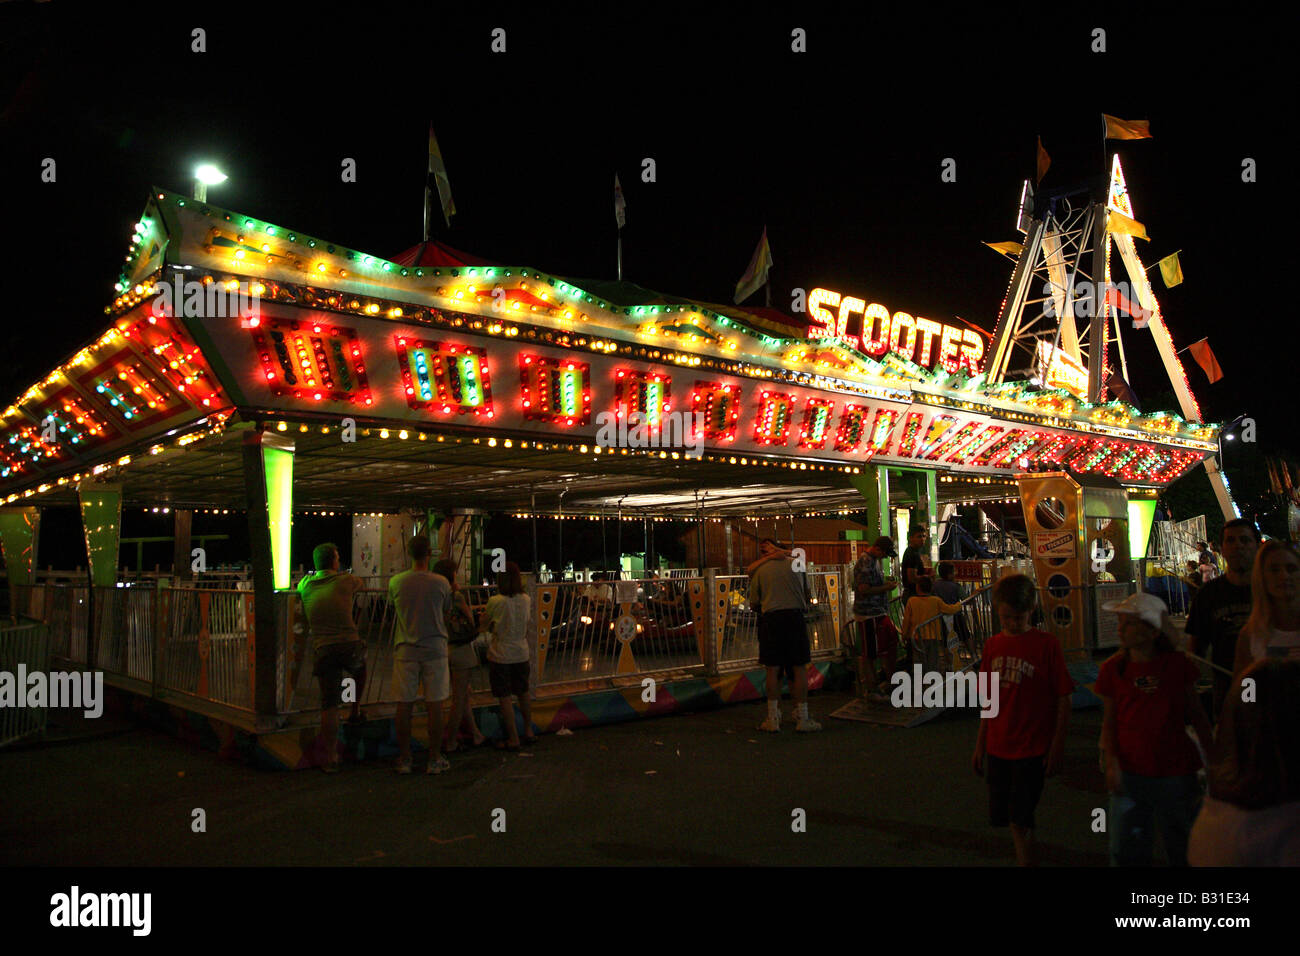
[[1121, 389], [1171, 271], [1118, 222], [438, 170], [1043, 161], [1012, 249], [1126, 129], [756, 274], [1206, 360], [620, 206]]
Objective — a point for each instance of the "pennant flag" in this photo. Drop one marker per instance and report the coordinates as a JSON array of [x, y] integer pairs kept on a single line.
[[1012, 249], [1171, 271], [1118, 222], [1121, 389], [1117, 299], [1043, 161], [756, 274], [1126, 129], [1206, 360], [620, 206], [438, 170]]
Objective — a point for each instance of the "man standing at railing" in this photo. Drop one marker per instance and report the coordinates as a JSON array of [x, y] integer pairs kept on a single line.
[[872, 630], [782, 634], [914, 565], [421, 600], [327, 599]]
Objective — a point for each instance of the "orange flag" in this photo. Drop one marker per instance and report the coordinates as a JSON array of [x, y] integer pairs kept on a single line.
[[1043, 161], [1206, 360], [1117, 128]]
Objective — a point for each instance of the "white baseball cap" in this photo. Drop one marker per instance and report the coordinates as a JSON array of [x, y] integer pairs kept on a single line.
[[1146, 606]]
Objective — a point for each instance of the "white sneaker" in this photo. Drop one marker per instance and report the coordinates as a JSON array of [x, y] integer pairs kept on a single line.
[[403, 765], [807, 725], [772, 725], [438, 766]]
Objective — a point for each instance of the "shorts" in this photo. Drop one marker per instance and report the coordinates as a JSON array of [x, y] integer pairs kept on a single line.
[[873, 637], [783, 639], [1014, 789], [434, 674], [462, 657], [331, 661], [508, 680]]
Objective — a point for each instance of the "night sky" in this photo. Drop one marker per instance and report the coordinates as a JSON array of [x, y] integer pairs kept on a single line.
[[837, 151]]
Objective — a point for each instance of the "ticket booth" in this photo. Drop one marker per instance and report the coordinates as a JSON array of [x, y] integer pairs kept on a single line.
[[1079, 541]]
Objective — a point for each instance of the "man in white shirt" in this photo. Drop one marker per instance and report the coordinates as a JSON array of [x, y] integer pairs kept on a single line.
[[420, 599]]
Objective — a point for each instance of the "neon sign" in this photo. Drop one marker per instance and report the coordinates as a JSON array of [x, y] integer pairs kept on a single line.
[[919, 340], [1060, 370]]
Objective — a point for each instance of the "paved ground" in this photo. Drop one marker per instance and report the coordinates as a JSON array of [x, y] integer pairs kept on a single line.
[[693, 789]]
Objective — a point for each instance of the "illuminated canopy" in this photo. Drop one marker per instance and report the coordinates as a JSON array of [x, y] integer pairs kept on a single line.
[[509, 352]]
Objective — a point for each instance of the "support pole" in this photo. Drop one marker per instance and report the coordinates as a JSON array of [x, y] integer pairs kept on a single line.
[[182, 566], [532, 498], [268, 496]]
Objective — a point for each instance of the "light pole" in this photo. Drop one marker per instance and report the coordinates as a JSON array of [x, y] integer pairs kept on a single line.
[[205, 176]]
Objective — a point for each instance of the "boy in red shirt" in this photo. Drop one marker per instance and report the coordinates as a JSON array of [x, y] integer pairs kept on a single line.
[[1025, 739], [1148, 691]]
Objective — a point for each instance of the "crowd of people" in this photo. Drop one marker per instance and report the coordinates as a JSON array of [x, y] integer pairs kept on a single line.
[[1244, 624], [436, 647]]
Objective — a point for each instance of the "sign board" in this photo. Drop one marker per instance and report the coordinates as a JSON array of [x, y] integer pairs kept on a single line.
[[625, 592], [972, 571], [1053, 544], [1108, 621], [915, 338], [1058, 369]]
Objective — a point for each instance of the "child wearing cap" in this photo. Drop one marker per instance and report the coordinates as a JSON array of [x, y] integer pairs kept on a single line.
[[1148, 691], [1025, 739]]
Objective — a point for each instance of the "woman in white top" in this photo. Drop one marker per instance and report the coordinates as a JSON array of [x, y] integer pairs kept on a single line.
[[1273, 629], [507, 618], [1252, 814]]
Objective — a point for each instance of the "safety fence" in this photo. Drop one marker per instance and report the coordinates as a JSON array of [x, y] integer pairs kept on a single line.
[[824, 616], [200, 641], [23, 643]]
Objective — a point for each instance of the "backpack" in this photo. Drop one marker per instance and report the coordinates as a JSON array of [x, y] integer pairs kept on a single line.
[[460, 626]]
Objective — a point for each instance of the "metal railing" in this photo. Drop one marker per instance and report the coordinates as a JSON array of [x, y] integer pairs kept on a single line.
[[824, 616], [200, 641], [935, 640], [24, 642], [584, 631]]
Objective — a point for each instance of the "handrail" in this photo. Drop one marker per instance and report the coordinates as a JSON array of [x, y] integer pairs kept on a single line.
[[916, 646]]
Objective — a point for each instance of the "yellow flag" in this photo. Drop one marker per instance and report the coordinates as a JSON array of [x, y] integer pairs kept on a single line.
[[1118, 222], [756, 274], [1171, 270], [1126, 129], [1006, 248]]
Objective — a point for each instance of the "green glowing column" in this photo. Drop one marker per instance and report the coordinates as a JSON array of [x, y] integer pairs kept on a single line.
[[101, 519], [873, 484], [268, 493], [1141, 514], [932, 514], [19, 531]]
